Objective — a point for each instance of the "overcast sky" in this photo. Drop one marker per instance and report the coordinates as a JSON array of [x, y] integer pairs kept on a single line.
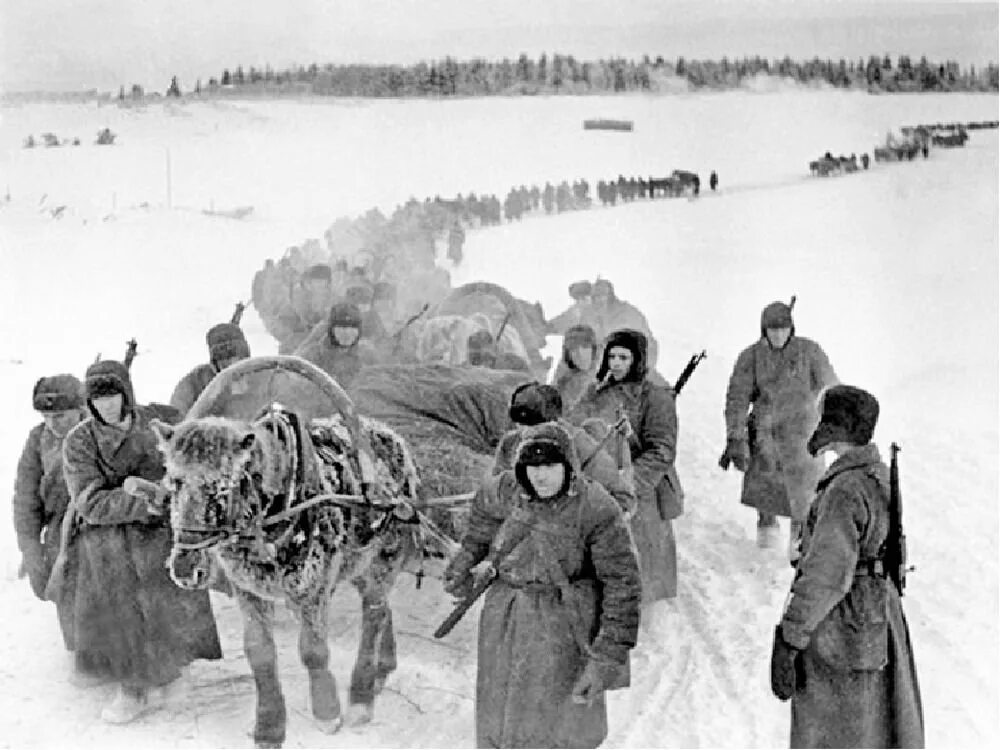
[[76, 44]]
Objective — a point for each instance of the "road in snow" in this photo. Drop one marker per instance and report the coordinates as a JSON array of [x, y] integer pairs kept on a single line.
[[895, 272]]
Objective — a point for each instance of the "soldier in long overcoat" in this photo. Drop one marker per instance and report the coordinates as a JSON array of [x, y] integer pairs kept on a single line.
[[40, 494], [651, 412], [842, 652], [132, 622], [558, 623], [771, 409]]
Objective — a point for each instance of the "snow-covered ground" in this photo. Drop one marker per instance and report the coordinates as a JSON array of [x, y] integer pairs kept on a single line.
[[895, 270]]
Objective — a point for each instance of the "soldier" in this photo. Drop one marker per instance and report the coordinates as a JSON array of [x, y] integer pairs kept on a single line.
[[548, 197], [562, 615], [713, 180], [40, 495], [578, 366], [336, 347], [384, 306], [579, 292], [607, 313], [532, 404], [132, 622], [362, 297], [778, 381], [842, 651], [226, 346], [622, 387]]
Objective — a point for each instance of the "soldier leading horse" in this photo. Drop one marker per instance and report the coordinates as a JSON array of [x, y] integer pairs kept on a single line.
[[287, 512]]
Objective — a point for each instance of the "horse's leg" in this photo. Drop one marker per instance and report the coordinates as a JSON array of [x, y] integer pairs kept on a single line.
[[315, 653], [362, 692], [258, 644], [386, 652]]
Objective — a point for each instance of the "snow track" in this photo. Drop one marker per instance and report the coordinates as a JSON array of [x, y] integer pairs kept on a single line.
[[896, 271]]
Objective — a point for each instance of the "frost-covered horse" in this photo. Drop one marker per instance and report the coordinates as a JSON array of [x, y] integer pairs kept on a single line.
[[288, 510]]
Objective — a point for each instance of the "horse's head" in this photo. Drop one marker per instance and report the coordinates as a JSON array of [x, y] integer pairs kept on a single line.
[[208, 472]]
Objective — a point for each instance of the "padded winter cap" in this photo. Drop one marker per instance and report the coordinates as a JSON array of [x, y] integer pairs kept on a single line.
[[534, 403], [481, 340], [320, 271], [344, 315], [57, 393], [108, 377], [635, 342], [225, 341], [359, 295], [849, 415], [542, 445], [580, 289], [776, 315]]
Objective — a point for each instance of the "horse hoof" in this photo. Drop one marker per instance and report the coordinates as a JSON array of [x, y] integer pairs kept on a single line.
[[330, 726], [358, 714]]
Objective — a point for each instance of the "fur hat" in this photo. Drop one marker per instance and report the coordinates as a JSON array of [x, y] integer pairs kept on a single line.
[[533, 403], [849, 415], [57, 393], [635, 342], [226, 340], [344, 315], [318, 272], [577, 336], [107, 377], [776, 315], [547, 443], [580, 289]]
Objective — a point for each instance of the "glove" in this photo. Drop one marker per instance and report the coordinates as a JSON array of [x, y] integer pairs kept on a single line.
[[787, 674], [589, 685], [153, 493], [737, 452], [458, 580]]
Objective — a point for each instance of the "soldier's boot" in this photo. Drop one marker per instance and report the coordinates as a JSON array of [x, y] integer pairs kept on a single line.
[[127, 705], [768, 531]]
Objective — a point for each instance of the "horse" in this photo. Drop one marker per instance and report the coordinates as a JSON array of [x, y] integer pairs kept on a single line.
[[287, 511]]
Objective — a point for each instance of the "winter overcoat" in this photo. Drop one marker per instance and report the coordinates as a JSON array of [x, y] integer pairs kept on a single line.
[[615, 316], [600, 467], [652, 414], [860, 681], [40, 503], [572, 584], [191, 386], [132, 621], [772, 404]]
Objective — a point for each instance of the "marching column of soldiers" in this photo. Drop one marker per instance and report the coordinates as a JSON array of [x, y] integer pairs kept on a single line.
[[575, 521]]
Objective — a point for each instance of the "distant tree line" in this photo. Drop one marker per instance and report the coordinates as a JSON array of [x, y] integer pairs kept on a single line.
[[564, 74]]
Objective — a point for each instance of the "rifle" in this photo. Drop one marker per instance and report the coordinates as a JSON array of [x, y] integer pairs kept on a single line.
[[620, 421], [397, 337], [238, 313], [895, 552], [57, 577], [488, 576], [500, 330], [688, 371]]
